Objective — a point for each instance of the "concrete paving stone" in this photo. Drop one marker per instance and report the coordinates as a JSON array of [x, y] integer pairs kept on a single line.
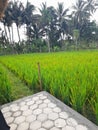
[[72, 122], [40, 95], [19, 119], [51, 105], [5, 109], [7, 114], [44, 105], [18, 113], [47, 101], [27, 112], [41, 129], [24, 108], [30, 118], [54, 128], [42, 117], [13, 105], [35, 98], [48, 124], [43, 97], [37, 111], [22, 103], [28, 99], [35, 125], [9, 120], [63, 115], [15, 108], [32, 107], [57, 109], [69, 128], [23, 126], [13, 126], [53, 116], [30, 103], [47, 110], [81, 127], [38, 102], [60, 123]]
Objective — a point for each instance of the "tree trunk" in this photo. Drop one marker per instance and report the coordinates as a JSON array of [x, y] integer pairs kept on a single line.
[[18, 35], [48, 42], [12, 35], [6, 33], [9, 34]]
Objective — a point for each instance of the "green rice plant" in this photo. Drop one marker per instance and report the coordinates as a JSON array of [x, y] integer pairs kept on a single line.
[[94, 105], [5, 89]]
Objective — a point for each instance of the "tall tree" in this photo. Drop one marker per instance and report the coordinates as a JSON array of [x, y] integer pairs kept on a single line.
[[8, 21], [48, 21], [17, 16], [27, 18], [83, 9], [62, 16]]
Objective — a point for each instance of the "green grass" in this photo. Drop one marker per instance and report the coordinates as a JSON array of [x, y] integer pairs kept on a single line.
[[70, 76], [17, 88]]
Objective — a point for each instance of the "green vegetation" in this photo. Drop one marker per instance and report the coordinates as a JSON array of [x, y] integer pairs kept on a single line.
[[11, 87], [5, 89], [70, 76], [53, 29]]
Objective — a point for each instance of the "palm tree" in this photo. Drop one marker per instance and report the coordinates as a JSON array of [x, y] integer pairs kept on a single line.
[[45, 22], [48, 21], [17, 16], [27, 17], [82, 13], [63, 20], [92, 5], [8, 21]]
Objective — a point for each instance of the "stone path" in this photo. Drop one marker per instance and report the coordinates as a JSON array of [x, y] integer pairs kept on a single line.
[[42, 111]]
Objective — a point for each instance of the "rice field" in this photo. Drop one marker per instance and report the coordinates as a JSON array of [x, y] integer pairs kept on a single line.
[[5, 88], [72, 77]]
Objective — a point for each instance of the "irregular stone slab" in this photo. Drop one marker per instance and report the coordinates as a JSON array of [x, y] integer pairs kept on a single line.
[[42, 111]]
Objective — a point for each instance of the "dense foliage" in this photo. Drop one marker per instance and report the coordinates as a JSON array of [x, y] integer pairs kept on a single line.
[[51, 29], [72, 77]]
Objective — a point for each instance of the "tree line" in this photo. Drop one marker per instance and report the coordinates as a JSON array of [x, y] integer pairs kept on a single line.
[[52, 29]]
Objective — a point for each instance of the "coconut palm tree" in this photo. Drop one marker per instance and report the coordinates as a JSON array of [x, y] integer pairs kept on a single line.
[[8, 21], [45, 22], [48, 21], [17, 16], [63, 19], [27, 17]]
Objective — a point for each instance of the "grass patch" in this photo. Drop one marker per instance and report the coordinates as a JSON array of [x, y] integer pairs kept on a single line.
[[18, 88]]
